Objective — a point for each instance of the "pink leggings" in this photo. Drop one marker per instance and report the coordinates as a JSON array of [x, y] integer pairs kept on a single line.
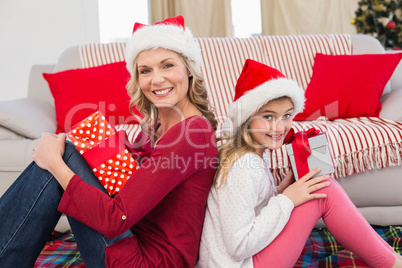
[[344, 222]]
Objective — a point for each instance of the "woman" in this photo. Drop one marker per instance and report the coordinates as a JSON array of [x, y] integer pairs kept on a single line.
[[156, 218], [251, 223]]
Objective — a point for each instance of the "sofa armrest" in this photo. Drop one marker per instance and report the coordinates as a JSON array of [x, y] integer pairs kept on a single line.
[[396, 78], [28, 117], [38, 88], [391, 105]]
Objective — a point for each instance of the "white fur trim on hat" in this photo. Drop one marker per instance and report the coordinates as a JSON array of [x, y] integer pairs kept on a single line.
[[248, 104], [163, 36]]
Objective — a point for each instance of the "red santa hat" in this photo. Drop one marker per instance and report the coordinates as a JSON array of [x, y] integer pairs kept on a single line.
[[169, 34], [256, 86]]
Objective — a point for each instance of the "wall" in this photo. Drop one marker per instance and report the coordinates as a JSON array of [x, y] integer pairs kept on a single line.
[[37, 32]]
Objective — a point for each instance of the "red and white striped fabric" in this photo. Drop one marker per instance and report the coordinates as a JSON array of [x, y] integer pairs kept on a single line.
[[294, 55], [356, 145], [223, 59], [132, 130], [93, 55], [222, 62]]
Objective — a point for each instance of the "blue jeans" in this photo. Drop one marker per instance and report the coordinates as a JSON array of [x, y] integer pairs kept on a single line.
[[28, 215]]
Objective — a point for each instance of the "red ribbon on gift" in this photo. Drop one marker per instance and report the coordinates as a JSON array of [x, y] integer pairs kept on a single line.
[[106, 149], [301, 148]]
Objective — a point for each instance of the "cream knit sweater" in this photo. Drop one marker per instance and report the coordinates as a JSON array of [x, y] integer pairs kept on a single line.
[[243, 216]]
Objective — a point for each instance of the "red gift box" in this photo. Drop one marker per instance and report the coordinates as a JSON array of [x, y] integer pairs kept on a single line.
[[105, 151]]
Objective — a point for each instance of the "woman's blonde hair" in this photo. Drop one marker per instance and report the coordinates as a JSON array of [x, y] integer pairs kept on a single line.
[[197, 95]]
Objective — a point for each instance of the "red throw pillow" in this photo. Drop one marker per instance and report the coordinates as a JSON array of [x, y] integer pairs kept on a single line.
[[346, 86], [79, 93]]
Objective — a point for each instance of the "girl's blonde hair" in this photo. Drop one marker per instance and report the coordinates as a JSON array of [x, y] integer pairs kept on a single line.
[[197, 95], [231, 149]]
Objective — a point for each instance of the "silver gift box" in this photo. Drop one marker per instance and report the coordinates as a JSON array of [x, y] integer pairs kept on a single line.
[[320, 156]]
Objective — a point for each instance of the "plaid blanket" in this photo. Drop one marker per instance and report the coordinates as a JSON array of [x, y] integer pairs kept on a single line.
[[60, 251], [321, 250]]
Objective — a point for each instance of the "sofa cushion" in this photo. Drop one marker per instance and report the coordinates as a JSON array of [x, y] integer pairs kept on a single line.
[[7, 134], [356, 145], [27, 117], [80, 92], [347, 86], [391, 105]]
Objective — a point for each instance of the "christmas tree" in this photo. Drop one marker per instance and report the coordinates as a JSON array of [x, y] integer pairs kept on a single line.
[[381, 19]]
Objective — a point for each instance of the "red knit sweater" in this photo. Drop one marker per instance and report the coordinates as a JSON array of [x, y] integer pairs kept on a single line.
[[163, 202]]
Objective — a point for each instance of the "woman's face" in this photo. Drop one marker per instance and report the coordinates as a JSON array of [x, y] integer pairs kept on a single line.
[[271, 123], [163, 78]]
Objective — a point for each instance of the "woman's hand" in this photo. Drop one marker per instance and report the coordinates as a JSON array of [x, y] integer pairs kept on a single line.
[[48, 150], [48, 155], [302, 190], [288, 180]]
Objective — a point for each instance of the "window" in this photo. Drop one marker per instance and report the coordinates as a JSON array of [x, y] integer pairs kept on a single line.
[[246, 18], [117, 18]]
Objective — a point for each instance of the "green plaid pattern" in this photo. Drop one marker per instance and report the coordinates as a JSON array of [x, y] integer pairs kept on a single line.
[[321, 250], [60, 251]]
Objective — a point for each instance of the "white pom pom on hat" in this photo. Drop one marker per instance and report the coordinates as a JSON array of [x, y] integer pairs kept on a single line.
[[256, 86], [169, 34]]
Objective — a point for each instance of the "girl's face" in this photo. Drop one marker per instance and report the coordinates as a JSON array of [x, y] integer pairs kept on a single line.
[[163, 78], [271, 123]]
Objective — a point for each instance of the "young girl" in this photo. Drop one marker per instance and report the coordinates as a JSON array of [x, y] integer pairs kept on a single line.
[[156, 219], [251, 223]]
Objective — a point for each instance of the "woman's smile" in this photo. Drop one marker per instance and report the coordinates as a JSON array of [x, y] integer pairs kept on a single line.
[[162, 92]]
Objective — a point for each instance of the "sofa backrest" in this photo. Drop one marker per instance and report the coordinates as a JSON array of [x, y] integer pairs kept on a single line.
[[223, 59]]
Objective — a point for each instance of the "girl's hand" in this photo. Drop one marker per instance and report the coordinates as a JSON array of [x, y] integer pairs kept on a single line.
[[302, 190], [288, 180]]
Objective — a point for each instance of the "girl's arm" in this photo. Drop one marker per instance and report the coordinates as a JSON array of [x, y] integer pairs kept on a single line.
[[250, 220], [303, 190], [288, 180]]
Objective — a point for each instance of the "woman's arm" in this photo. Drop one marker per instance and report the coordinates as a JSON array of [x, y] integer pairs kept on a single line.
[[175, 158]]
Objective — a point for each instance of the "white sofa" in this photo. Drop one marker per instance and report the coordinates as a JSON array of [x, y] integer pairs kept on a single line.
[[375, 192]]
